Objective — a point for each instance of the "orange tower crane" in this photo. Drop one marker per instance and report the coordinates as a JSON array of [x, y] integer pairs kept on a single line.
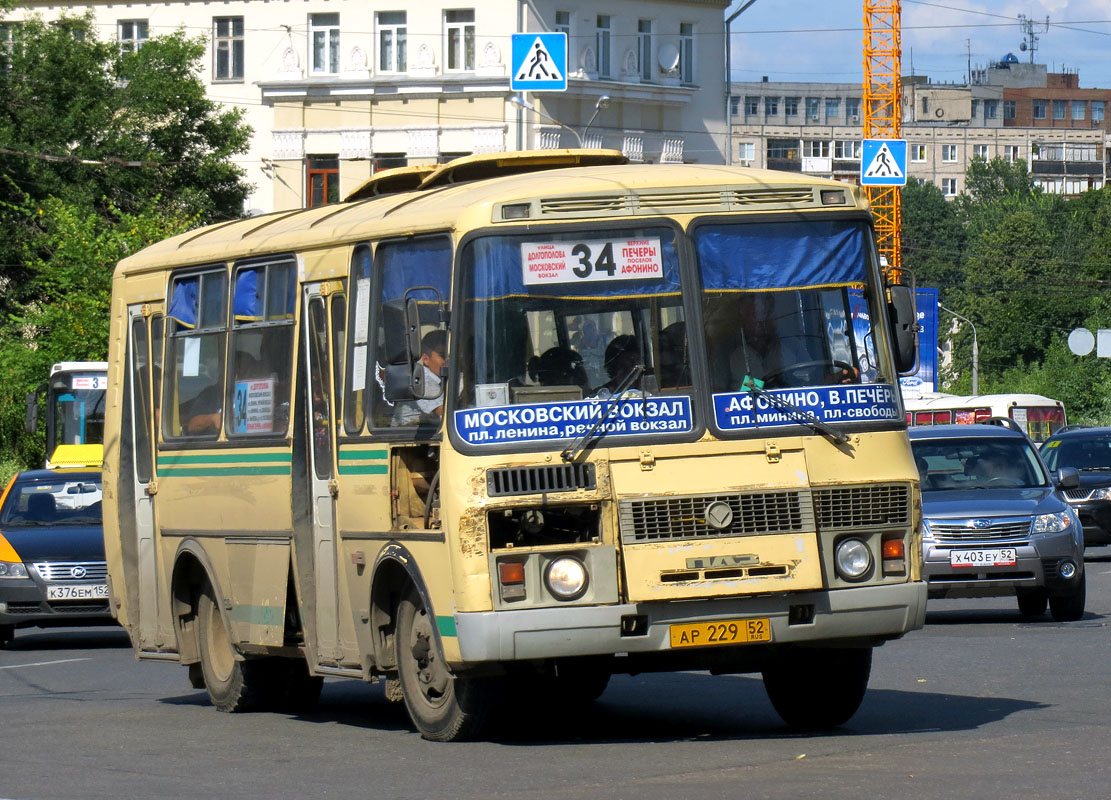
[[883, 116]]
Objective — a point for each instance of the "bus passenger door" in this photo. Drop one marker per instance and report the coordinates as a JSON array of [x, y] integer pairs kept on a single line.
[[319, 404], [140, 423]]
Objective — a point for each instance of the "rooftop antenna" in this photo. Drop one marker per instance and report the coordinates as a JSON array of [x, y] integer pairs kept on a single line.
[[1031, 41]]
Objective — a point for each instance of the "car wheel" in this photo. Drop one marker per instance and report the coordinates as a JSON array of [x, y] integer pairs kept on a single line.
[[1032, 602], [442, 706], [818, 689], [233, 684], [7, 633], [1069, 607]]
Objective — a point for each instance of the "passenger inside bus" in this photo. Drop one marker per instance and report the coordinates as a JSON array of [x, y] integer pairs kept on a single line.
[[622, 356], [675, 368], [558, 366]]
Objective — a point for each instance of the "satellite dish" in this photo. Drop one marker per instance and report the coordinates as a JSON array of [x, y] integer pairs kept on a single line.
[[668, 57]]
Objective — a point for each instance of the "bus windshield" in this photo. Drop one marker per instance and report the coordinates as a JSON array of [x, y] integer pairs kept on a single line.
[[76, 404]]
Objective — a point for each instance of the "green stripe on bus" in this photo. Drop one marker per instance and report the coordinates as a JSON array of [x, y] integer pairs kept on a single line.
[[222, 471], [258, 615], [367, 455], [363, 469], [446, 626], [227, 458]]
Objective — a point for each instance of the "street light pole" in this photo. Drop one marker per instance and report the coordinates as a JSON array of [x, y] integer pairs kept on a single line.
[[517, 100], [975, 349], [729, 80]]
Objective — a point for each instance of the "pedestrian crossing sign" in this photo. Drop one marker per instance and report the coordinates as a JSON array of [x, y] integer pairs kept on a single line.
[[883, 162], [539, 62]]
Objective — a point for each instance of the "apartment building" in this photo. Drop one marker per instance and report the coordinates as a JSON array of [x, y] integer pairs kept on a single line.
[[337, 89], [1010, 110]]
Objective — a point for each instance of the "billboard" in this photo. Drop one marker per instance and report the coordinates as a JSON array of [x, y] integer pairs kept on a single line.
[[925, 379]]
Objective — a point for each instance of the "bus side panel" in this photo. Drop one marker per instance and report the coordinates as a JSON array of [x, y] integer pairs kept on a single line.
[[122, 559]]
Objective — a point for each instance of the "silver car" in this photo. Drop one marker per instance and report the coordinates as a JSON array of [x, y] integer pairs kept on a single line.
[[995, 522]]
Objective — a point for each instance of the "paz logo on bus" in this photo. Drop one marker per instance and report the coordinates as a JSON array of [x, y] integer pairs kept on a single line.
[[717, 562]]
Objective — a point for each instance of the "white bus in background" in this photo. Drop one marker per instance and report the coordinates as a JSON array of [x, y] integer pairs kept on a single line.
[[75, 394], [1037, 416]]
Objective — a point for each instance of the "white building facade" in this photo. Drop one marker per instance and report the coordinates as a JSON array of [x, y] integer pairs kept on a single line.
[[336, 89]]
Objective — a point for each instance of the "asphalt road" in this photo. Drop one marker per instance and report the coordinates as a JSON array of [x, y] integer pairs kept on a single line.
[[978, 704]]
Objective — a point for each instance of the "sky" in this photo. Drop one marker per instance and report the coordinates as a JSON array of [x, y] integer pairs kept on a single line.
[[823, 40]]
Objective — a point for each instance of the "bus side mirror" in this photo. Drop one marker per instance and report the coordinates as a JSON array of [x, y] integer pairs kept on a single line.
[[32, 413], [1066, 478], [902, 310]]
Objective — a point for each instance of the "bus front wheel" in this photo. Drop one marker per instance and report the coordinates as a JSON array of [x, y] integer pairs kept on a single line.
[[442, 706], [233, 684], [818, 689]]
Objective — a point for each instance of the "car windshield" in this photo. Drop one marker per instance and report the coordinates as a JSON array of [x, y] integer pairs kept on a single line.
[[977, 463], [1086, 455], [73, 500]]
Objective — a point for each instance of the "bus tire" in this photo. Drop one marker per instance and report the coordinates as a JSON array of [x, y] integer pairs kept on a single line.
[[442, 706], [233, 685], [301, 690], [818, 689]]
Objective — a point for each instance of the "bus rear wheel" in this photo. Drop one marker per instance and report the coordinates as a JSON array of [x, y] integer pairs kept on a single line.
[[233, 684], [442, 706], [818, 689]]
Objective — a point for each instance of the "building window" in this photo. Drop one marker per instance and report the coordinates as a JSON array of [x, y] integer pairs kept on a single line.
[[975, 108], [918, 152], [847, 149], [746, 151], [784, 149], [227, 48], [949, 153], [389, 161], [925, 105], [815, 148], [1097, 110], [949, 187], [132, 33], [734, 105], [1011, 152], [459, 40], [322, 180], [1039, 108], [686, 52], [991, 108], [602, 44], [392, 34], [790, 106], [812, 108], [1009, 111], [644, 48], [1059, 107], [771, 106], [852, 109], [980, 151], [833, 107], [752, 105], [1077, 109], [324, 43], [563, 23]]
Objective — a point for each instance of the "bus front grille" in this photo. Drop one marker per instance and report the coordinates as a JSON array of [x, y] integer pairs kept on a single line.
[[508, 481], [862, 506], [674, 518]]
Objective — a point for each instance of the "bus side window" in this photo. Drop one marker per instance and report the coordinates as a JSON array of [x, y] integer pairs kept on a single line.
[[196, 337], [263, 306], [360, 373]]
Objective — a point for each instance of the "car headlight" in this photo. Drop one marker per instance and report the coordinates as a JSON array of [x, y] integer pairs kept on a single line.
[[9, 569], [927, 534], [1052, 523], [1101, 494], [853, 559], [566, 578]]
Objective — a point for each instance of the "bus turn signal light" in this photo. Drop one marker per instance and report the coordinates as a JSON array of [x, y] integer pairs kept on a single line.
[[894, 556], [511, 575]]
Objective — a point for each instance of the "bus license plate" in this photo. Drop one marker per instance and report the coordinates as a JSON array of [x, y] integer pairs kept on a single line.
[[728, 631], [84, 592], [1003, 557]]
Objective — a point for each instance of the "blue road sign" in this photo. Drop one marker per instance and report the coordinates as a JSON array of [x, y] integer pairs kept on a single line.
[[883, 162], [539, 62]]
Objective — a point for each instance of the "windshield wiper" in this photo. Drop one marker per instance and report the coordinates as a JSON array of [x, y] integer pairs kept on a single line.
[[805, 417], [572, 452]]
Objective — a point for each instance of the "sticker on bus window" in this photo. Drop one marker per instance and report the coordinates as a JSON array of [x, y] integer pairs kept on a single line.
[[859, 403], [254, 406], [89, 382], [591, 260]]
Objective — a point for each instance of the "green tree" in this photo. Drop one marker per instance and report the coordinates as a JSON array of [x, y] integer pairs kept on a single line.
[[989, 180], [933, 236]]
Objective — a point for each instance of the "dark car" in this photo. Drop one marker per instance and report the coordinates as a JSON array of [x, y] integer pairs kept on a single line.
[[995, 523], [52, 567], [1088, 450]]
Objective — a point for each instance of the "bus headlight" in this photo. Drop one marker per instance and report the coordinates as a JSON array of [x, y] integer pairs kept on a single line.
[[9, 569], [853, 559], [566, 578]]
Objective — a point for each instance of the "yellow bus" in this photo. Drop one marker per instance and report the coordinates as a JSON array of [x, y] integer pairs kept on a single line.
[[539, 419]]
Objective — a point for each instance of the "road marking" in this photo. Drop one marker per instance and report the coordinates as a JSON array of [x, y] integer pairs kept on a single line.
[[46, 663]]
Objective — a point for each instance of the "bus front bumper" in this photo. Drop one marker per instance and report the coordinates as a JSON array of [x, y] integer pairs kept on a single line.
[[869, 612]]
